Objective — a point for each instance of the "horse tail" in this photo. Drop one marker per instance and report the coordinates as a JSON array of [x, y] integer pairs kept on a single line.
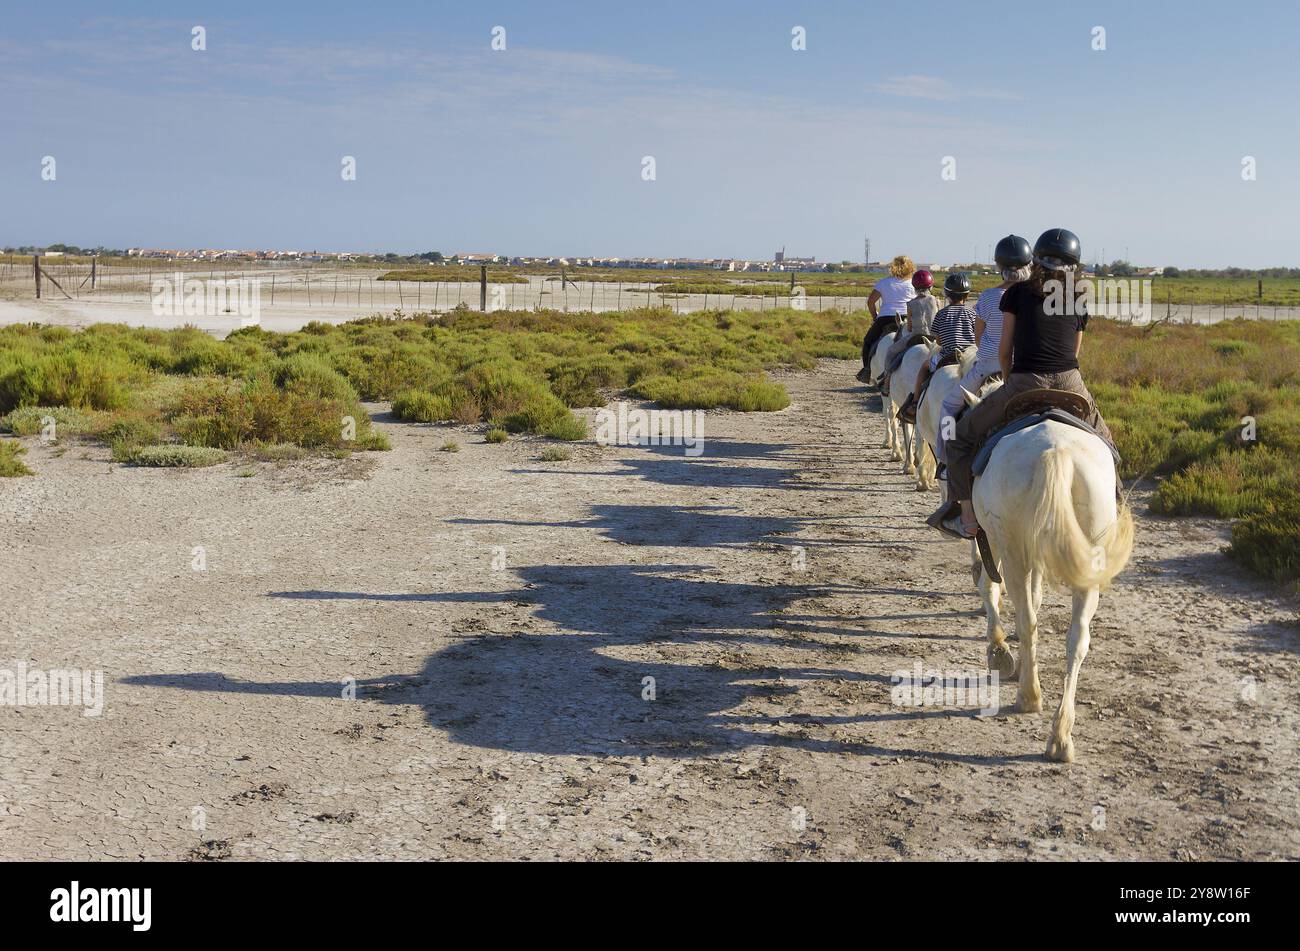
[[1068, 554]]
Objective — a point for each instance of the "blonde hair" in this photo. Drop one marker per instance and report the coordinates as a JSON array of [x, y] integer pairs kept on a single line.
[[902, 266]]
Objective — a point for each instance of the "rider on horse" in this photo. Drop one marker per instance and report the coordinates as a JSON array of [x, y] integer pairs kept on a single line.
[[1013, 257], [955, 328], [888, 306], [1042, 334]]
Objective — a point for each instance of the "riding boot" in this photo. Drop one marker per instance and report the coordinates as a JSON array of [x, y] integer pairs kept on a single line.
[[907, 412]]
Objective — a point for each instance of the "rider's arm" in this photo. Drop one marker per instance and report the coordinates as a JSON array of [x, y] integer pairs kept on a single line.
[[979, 329], [873, 303], [1078, 344], [1005, 343]]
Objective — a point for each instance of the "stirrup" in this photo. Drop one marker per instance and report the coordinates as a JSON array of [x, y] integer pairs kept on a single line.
[[942, 515]]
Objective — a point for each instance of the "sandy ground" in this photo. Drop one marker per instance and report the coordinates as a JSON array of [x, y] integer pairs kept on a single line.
[[500, 615]]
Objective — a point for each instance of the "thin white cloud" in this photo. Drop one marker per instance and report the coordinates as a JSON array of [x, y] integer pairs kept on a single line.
[[935, 89]]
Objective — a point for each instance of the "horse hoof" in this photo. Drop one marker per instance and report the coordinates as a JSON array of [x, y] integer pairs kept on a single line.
[[1003, 661], [1060, 752], [1028, 706]]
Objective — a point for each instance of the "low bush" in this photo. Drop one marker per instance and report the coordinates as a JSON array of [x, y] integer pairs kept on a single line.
[[31, 420], [177, 456], [10, 465]]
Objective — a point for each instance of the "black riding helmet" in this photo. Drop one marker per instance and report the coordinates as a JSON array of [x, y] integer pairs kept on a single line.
[[1013, 251], [1057, 249], [956, 284]]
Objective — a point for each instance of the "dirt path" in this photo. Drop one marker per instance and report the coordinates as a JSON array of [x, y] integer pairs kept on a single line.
[[500, 615]]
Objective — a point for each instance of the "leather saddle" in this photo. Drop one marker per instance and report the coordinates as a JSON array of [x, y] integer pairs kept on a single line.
[[1038, 401], [913, 340], [1050, 413], [951, 359]]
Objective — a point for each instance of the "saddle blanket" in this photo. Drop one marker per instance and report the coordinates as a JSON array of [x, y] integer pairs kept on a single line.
[[1033, 419]]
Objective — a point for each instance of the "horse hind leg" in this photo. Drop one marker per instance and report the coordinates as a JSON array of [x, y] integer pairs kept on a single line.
[[926, 466], [893, 439], [1022, 589], [1060, 746], [1000, 657], [889, 423]]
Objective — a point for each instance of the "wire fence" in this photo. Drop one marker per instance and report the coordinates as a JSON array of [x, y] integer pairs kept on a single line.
[[335, 292]]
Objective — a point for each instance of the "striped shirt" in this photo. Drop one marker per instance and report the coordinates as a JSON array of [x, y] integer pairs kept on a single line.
[[955, 328], [989, 309]]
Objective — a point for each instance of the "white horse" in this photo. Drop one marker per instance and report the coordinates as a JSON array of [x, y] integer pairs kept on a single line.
[[893, 441], [929, 423], [1047, 503], [900, 385]]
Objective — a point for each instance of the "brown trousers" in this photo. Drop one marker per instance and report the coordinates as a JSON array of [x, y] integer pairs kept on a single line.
[[979, 421]]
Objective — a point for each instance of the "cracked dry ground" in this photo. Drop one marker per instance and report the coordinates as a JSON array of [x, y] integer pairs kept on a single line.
[[499, 711]]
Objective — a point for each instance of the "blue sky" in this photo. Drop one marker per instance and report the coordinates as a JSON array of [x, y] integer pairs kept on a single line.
[[537, 149]]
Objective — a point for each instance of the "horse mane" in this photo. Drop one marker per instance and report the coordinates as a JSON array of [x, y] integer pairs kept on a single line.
[[967, 362]]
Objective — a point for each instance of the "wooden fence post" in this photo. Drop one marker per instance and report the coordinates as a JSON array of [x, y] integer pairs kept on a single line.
[[36, 269], [482, 288]]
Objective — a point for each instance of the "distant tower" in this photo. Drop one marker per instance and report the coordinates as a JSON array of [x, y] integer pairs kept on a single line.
[[780, 255], [866, 251]]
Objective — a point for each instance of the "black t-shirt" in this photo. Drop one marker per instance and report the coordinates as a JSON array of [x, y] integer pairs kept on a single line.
[[1043, 343]]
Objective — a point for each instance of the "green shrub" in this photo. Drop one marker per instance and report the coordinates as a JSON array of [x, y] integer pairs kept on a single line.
[[510, 398], [418, 406], [29, 420], [177, 456], [556, 454], [126, 434], [496, 435], [729, 391], [226, 417], [65, 378], [10, 465], [277, 452], [450, 446], [568, 427], [311, 376], [1268, 542], [373, 440]]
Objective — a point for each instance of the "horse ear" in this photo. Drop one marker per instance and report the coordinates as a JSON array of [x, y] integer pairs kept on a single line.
[[971, 398]]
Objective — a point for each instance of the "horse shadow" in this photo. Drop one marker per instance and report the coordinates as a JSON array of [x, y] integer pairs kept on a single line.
[[608, 680]]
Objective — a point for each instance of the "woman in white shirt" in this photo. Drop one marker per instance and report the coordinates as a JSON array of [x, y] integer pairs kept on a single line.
[[888, 306]]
